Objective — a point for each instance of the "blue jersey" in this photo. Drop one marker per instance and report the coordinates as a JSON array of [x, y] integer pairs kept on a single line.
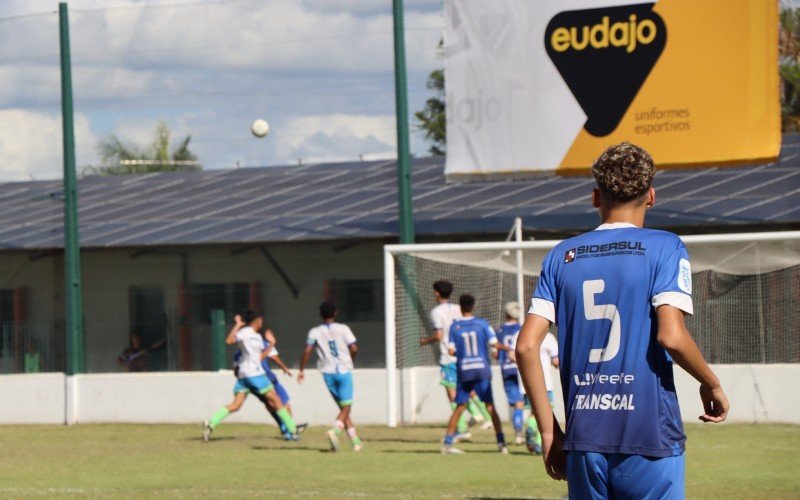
[[471, 338], [602, 289], [507, 335]]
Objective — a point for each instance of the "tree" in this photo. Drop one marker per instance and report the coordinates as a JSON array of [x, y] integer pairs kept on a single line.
[[789, 43], [432, 119], [120, 158]]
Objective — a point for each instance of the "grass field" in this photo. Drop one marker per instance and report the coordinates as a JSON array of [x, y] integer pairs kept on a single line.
[[730, 461]]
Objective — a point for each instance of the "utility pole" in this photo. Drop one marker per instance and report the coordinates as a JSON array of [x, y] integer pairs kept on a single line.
[[406, 210], [72, 258]]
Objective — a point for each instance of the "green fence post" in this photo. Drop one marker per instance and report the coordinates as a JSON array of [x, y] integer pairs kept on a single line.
[[218, 361]]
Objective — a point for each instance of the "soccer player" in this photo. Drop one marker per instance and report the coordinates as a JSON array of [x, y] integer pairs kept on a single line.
[[336, 348], [507, 335], [442, 316], [469, 341], [618, 295], [548, 353], [250, 375], [271, 354]]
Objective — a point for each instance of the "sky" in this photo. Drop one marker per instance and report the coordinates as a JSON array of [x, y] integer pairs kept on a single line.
[[321, 72]]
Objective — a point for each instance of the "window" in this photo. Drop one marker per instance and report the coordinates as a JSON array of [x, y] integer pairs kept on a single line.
[[357, 300], [230, 297]]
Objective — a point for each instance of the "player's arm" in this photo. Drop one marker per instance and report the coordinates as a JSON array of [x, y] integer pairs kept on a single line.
[[278, 361], [270, 337], [353, 348], [436, 337], [238, 324], [529, 363], [303, 361], [678, 342]]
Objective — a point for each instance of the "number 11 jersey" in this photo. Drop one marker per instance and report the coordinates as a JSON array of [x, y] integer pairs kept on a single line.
[[602, 289]]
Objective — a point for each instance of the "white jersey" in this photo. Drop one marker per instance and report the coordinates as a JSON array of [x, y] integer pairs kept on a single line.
[[251, 345], [332, 342], [547, 352], [442, 316]]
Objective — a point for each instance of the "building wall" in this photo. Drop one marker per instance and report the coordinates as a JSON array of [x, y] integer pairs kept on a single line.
[[758, 393], [108, 276]]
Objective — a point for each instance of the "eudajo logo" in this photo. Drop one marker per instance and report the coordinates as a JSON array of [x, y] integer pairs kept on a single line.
[[604, 56]]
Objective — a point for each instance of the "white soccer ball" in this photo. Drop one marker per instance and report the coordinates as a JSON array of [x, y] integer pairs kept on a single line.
[[260, 128]]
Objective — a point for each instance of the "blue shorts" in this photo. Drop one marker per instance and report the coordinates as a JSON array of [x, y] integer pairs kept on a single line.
[[511, 386], [614, 475], [278, 387], [482, 388], [449, 375], [341, 387], [257, 385]]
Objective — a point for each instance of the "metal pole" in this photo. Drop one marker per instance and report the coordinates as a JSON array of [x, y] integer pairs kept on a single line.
[[520, 267], [218, 361], [406, 214], [390, 339], [72, 258]]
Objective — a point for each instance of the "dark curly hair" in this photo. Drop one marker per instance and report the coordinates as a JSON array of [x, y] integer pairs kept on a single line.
[[624, 171]]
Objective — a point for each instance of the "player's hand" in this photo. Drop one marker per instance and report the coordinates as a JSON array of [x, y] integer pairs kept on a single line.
[[715, 404], [238, 320], [512, 355], [288, 373], [555, 460], [300, 377]]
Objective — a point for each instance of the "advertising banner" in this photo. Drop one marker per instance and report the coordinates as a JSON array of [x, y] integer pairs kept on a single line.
[[537, 85]]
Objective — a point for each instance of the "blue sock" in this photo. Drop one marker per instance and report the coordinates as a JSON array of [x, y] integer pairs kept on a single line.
[[518, 419], [501, 438], [448, 439]]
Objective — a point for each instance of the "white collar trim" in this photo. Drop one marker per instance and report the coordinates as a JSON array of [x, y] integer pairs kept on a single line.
[[615, 225]]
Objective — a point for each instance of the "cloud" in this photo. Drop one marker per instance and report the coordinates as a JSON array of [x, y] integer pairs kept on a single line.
[[31, 147]]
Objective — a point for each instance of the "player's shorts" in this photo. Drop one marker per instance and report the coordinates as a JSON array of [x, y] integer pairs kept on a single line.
[[340, 386], [279, 389], [258, 385], [511, 386], [449, 375], [550, 396], [614, 475], [482, 388]]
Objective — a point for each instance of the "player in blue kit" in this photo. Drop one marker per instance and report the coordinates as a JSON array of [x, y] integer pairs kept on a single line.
[[618, 295], [469, 341], [507, 335]]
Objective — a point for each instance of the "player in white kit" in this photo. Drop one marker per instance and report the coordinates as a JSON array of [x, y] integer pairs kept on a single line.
[[336, 347]]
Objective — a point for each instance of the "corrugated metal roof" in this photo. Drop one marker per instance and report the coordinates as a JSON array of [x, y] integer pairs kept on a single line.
[[359, 200]]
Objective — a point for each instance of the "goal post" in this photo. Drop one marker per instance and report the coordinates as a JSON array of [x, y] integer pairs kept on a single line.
[[745, 294]]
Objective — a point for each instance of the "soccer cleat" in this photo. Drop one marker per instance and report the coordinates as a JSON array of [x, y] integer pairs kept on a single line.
[[449, 450], [462, 436], [357, 447], [475, 420], [487, 425], [301, 428], [502, 448], [206, 431], [334, 440], [519, 438]]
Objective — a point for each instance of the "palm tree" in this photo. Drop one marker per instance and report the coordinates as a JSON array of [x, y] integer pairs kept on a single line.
[[431, 119], [120, 158]]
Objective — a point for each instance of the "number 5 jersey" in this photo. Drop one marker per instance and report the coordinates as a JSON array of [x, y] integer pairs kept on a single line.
[[602, 289]]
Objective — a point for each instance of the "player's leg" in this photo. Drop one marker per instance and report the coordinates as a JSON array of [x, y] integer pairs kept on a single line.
[[345, 391], [462, 397], [332, 381], [587, 475], [483, 389], [448, 381], [262, 386], [514, 396], [239, 395], [636, 476]]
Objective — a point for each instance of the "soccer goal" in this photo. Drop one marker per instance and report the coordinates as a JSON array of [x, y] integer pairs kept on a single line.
[[745, 291]]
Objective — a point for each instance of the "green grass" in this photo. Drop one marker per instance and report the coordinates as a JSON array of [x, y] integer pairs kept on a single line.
[[729, 461]]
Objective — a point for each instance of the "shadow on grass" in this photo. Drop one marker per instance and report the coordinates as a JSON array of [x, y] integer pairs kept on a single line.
[[220, 438], [290, 448]]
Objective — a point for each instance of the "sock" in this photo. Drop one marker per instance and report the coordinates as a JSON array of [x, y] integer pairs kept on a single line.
[[351, 433], [483, 410], [473, 408], [218, 417], [463, 425], [501, 438], [532, 424], [338, 427], [278, 421], [518, 420], [287, 419], [448, 439]]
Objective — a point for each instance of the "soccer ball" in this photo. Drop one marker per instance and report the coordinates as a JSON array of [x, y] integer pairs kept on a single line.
[[260, 128]]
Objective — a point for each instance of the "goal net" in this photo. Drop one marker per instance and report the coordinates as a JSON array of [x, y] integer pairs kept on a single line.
[[745, 294]]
